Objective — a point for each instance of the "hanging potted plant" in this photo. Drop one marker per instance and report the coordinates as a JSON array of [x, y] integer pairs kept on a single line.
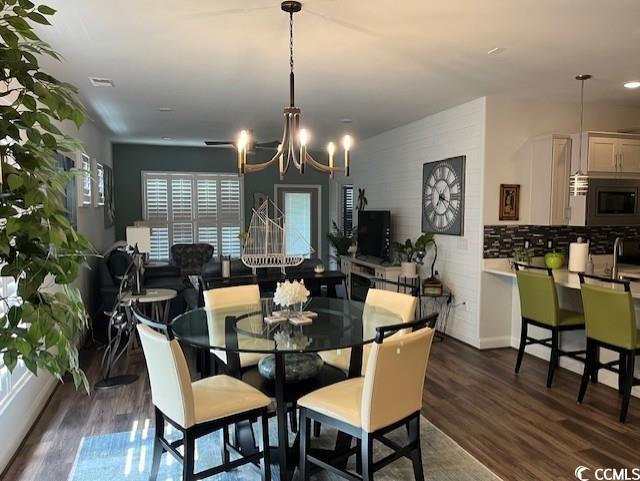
[[39, 250]]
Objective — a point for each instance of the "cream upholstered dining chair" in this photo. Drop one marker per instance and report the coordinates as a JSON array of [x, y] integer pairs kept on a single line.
[[387, 397], [196, 409], [397, 303], [225, 299]]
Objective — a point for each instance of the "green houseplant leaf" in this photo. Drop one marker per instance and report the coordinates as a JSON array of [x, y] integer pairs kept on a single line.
[[40, 324]]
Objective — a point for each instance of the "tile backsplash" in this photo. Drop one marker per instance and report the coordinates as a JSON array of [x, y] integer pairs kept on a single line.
[[500, 240]]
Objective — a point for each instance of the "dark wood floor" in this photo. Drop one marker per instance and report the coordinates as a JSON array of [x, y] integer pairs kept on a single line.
[[513, 424]]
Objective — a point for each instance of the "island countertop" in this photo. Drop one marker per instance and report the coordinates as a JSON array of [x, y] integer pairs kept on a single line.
[[563, 277]]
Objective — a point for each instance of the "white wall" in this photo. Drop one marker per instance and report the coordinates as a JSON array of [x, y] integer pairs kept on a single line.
[[18, 413], [389, 167]]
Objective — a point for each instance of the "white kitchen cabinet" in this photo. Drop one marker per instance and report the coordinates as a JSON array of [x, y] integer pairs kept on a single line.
[[629, 156], [549, 170], [611, 154], [602, 154]]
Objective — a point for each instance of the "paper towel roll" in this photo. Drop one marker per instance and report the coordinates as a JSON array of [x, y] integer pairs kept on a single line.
[[578, 256]]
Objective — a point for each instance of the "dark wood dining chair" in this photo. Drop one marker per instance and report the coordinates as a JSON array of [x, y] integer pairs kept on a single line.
[[197, 408], [368, 408], [539, 307]]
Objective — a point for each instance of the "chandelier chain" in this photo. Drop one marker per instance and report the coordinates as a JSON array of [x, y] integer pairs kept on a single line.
[[291, 41]]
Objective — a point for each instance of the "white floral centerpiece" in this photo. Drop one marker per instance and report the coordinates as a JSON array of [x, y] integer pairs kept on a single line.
[[289, 294]]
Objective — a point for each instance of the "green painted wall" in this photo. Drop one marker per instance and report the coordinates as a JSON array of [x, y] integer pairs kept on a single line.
[[129, 160]]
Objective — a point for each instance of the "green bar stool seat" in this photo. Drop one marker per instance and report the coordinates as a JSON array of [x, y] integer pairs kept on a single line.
[[539, 307], [610, 323]]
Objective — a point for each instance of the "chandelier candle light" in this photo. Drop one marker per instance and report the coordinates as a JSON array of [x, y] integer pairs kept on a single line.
[[295, 140]]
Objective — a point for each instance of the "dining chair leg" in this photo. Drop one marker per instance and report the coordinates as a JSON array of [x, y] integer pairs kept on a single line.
[[366, 450], [596, 364], [265, 465], [622, 367], [157, 447], [628, 384], [553, 361], [225, 442], [188, 453], [586, 373], [523, 342], [416, 453], [305, 439], [359, 456], [293, 420]]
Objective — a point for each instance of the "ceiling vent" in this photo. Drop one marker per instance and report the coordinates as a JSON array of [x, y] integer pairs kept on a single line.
[[101, 82]]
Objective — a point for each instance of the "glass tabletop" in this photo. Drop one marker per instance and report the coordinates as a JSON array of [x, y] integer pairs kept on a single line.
[[338, 324]]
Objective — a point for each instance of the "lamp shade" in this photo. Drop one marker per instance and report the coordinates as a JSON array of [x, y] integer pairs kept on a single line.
[[140, 236]]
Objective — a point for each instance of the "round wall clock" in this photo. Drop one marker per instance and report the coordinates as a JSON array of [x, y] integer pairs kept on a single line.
[[443, 196]]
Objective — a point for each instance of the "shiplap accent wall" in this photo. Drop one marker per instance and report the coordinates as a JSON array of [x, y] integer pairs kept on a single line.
[[389, 167]]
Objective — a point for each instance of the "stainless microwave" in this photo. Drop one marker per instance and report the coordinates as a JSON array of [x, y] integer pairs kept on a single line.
[[613, 202]]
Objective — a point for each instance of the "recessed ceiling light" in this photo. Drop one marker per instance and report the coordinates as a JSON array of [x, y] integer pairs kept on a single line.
[[165, 109], [634, 84], [495, 51], [101, 82], [167, 138]]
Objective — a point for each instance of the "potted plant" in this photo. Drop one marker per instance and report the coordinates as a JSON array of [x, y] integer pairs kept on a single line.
[[340, 241], [523, 255], [412, 254], [39, 324]]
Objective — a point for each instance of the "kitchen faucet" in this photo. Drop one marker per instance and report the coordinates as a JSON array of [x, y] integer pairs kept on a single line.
[[617, 245]]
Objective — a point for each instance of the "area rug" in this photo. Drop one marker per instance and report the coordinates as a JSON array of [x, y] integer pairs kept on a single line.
[[127, 456]]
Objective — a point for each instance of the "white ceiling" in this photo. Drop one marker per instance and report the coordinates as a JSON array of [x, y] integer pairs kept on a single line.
[[222, 65]]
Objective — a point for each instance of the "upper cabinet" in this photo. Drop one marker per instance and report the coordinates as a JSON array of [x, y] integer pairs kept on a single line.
[[548, 190], [612, 154]]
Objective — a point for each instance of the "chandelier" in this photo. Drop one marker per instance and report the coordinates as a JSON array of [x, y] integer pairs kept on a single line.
[[295, 140]]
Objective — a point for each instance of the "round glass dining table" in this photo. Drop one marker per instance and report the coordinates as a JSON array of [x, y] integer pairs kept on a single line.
[[336, 324]]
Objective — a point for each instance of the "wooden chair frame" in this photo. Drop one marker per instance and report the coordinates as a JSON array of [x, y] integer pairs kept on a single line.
[[190, 434], [365, 466], [624, 366], [552, 342]]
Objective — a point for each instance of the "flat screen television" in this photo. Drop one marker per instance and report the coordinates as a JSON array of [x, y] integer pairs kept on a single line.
[[374, 233]]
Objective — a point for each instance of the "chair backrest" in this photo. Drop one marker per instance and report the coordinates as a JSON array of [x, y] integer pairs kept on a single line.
[[403, 305], [538, 295], [609, 313], [169, 376], [224, 297], [190, 258], [394, 378]]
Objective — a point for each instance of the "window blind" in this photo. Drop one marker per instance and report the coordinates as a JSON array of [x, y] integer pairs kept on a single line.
[[184, 207], [347, 209]]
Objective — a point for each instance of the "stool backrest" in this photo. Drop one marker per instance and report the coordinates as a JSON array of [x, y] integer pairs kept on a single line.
[[232, 296], [609, 313], [394, 378], [538, 295], [169, 376], [398, 303]]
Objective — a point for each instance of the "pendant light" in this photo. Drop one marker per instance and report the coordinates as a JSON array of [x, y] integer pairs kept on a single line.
[[579, 181]]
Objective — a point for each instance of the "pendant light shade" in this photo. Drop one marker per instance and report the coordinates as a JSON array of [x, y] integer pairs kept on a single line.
[[578, 180]]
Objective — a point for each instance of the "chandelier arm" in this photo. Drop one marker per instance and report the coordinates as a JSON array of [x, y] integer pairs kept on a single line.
[[263, 165], [319, 166]]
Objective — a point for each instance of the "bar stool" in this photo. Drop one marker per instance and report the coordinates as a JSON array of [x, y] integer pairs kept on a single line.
[[539, 307], [611, 323]]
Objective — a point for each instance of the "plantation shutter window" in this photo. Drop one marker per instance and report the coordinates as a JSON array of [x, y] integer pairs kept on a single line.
[[347, 209], [192, 207]]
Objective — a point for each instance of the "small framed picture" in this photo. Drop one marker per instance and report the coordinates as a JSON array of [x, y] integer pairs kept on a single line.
[[509, 202]]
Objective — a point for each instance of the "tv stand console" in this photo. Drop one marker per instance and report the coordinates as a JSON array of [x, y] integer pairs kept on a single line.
[[367, 267]]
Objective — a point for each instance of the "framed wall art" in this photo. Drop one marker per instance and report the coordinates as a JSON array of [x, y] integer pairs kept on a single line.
[[509, 202]]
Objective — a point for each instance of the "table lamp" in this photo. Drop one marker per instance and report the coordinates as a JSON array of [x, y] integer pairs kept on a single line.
[[139, 238]]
